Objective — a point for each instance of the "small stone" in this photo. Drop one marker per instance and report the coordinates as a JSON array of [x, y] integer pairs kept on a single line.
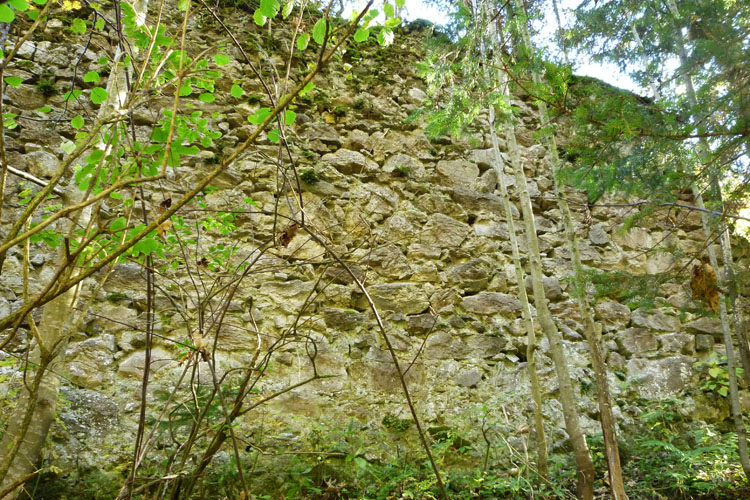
[[655, 320], [598, 235], [491, 303], [637, 341], [42, 163], [442, 231], [681, 343], [347, 161], [704, 342], [612, 315], [469, 378], [552, 289], [133, 365], [456, 173]]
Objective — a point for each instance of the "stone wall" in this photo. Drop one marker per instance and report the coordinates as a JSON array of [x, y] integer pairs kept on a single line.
[[419, 222]]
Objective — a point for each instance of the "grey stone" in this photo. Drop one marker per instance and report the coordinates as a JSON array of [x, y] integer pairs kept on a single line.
[[405, 165], [491, 303], [42, 163], [660, 378], [358, 140], [289, 294], [441, 345], [416, 96], [389, 261], [637, 238], [442, 231], [348, 162], [681, 343], [133, 365], [704, 342], [471, 276], [655, 320], [322, 132], [469, 378], [115, 318], [612, 315], [25, 96], [552, 288], [637, 341], [486, 346], [420, 323], [476, 201], [711, 326], [89, 361], [343, 319], [598, 234], [456, 173], [406, 298]]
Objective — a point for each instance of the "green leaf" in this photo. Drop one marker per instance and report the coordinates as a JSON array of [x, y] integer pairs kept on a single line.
[[40, 2], [259, 18], [221, 59], [400, 3], [146, 246], [77, 122], [389, 10], [13, 81], [20, 5], [78, 26], [118, 223], [723, 391], [319, 31], [385, 37], [259, 116], [98, 95], [115, 195], [361, 35], [68, 147], [302, 41], [289, 116], [269, 8], [392, 22], [186, 89], [273, 136], [236, 91], [207, 97], [287, 9], [308, 88], [714, 371], [6, 14], [183, 5], [44, 109], [73, 94], [91, 76], [32, 14], [99, 24]]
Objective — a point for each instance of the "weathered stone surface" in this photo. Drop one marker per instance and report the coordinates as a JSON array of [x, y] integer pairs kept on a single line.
[[552, 288], [133, 365], [389, 261], [637, 341], [322, 132], [660, 378], [598, 234], [704, 342], [442, 231], [456, 173], [349, 162], [406, 298], [358, 140], [440, 345], [471, 276], [25, 96], [42, 164], [469, 378], [637, 238], [681, 343], [491, 303], [421, 323], [415, 96], [289, 294], [406, 166], [476, 201], [343, 319], [90, 360], [612, 315], [655, 320], [711, 326]]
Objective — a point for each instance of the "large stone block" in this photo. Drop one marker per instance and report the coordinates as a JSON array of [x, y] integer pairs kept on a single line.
[[491, 303]]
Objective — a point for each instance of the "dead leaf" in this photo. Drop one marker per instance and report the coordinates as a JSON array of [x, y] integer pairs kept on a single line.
[[704, 286], [288, 234]]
